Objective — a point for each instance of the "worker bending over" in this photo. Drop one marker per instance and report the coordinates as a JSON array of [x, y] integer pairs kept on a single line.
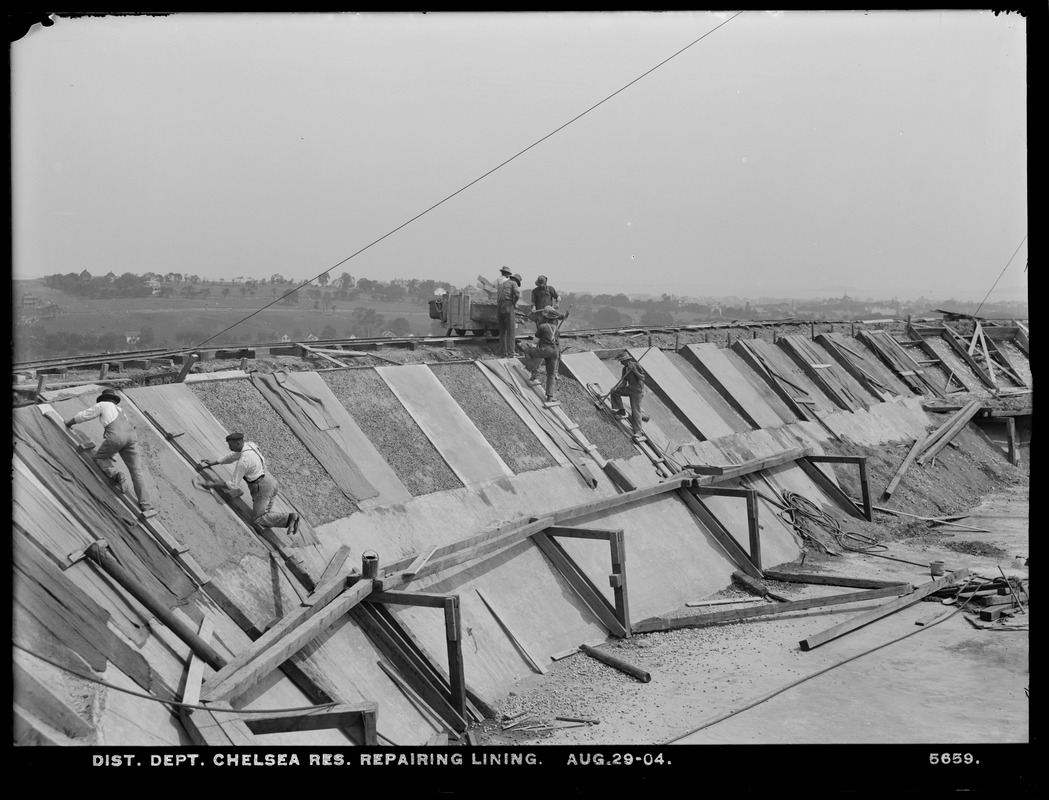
[[631, 384], [251, 466], [508, 297], [120, 437], [547, 351]]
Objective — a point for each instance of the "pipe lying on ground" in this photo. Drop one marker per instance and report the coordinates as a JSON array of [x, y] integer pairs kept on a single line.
[[618, 663]]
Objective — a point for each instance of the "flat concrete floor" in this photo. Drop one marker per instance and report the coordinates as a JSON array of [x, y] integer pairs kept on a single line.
[[948, 682]]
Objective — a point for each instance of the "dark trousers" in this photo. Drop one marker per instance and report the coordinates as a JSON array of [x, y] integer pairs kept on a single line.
[[542, 354], [635, 404], [507, 330]]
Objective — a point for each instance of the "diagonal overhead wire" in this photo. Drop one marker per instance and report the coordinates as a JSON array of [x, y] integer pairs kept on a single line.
[[475, 180], [1007, 263]]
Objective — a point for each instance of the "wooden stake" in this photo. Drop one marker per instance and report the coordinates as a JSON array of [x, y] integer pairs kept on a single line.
[[1014, 450]]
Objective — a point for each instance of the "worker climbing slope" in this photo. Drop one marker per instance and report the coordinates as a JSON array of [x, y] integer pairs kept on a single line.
[[547, 351], [631, 384], [251, 466], [119, 437]]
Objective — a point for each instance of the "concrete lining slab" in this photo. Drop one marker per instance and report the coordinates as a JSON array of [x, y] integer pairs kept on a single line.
[[456, 438], [717, 402], [348, 435], [710, 360], [684, 400]]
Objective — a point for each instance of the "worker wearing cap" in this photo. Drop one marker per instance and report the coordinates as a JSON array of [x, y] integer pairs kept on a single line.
[[251, 466], [119, 437], [546, 352], [543, 296], [631, 384], [508, 296]]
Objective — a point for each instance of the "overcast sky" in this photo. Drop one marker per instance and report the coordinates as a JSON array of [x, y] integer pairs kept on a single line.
[[789, 154]]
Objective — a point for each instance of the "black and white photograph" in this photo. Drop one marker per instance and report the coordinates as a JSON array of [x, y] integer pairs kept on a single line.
[[584, 399]]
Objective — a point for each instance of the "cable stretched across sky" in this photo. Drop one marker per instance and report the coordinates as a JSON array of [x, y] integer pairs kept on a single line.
[[1007, 263], [474, 181]]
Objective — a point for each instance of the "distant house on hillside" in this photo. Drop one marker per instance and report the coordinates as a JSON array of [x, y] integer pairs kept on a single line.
[[132, 337], [312, 338], [153, 286], [285, 338], [30, 301], [85, 276], [111, 277]]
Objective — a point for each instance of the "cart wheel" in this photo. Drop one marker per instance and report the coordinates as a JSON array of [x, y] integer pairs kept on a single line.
[[460, 331], [493, 333], [481, 332]]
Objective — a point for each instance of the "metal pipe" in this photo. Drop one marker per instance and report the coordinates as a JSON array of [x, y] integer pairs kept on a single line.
[[618, 663], [99, 553]]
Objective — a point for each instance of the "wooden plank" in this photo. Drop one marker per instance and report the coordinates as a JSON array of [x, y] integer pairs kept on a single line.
[[320, 597], [581, 533], [831, 489], [618, 581], [1014, 448], [291, 643], [445, 424], [952, 339], [419, 562], [529, 658], [724, 472], [888, 608], [954, 427], [580, 583], [332, 570], [916, 448], [767, 610], [828, 580], [425, 599], [800, 350], [37, 699], [721, 534], [344, 715], [850, 365], [453, 632]]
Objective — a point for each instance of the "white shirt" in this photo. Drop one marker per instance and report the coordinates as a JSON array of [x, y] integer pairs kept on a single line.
[[106, 410], [250, 464]]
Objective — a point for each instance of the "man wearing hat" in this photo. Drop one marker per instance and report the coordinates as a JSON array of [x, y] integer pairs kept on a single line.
[[251, 466], [505, 274], [507, 298], [120, 438], [631, 384], [543, 295], [546, 352]]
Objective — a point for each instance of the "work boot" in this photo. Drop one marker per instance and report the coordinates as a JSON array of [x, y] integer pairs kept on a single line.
[[120, 480], [621, 412], [645, 418], [550, 398], [533, 378]]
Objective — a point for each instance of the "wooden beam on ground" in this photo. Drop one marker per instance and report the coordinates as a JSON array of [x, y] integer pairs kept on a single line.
[[861, 465], [770, 609], [580, 583], [827, 580], [293, 641], [724, 472], [889, 608], [529, 658], [581, 533]]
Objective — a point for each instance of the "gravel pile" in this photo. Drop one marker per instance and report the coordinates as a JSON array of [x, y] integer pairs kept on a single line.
[[597, 426], [391, 429], [239, 407], [496, 421]]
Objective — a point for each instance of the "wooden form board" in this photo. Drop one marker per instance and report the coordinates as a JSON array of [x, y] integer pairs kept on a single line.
[[446, 425], [688, 404], [825, 372], [868, 373], [733, 386], [517, 404], [785, 377], [347, 433]]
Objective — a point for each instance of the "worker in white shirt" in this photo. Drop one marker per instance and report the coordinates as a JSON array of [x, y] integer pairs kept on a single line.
[[119, 438], [251, 466]]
